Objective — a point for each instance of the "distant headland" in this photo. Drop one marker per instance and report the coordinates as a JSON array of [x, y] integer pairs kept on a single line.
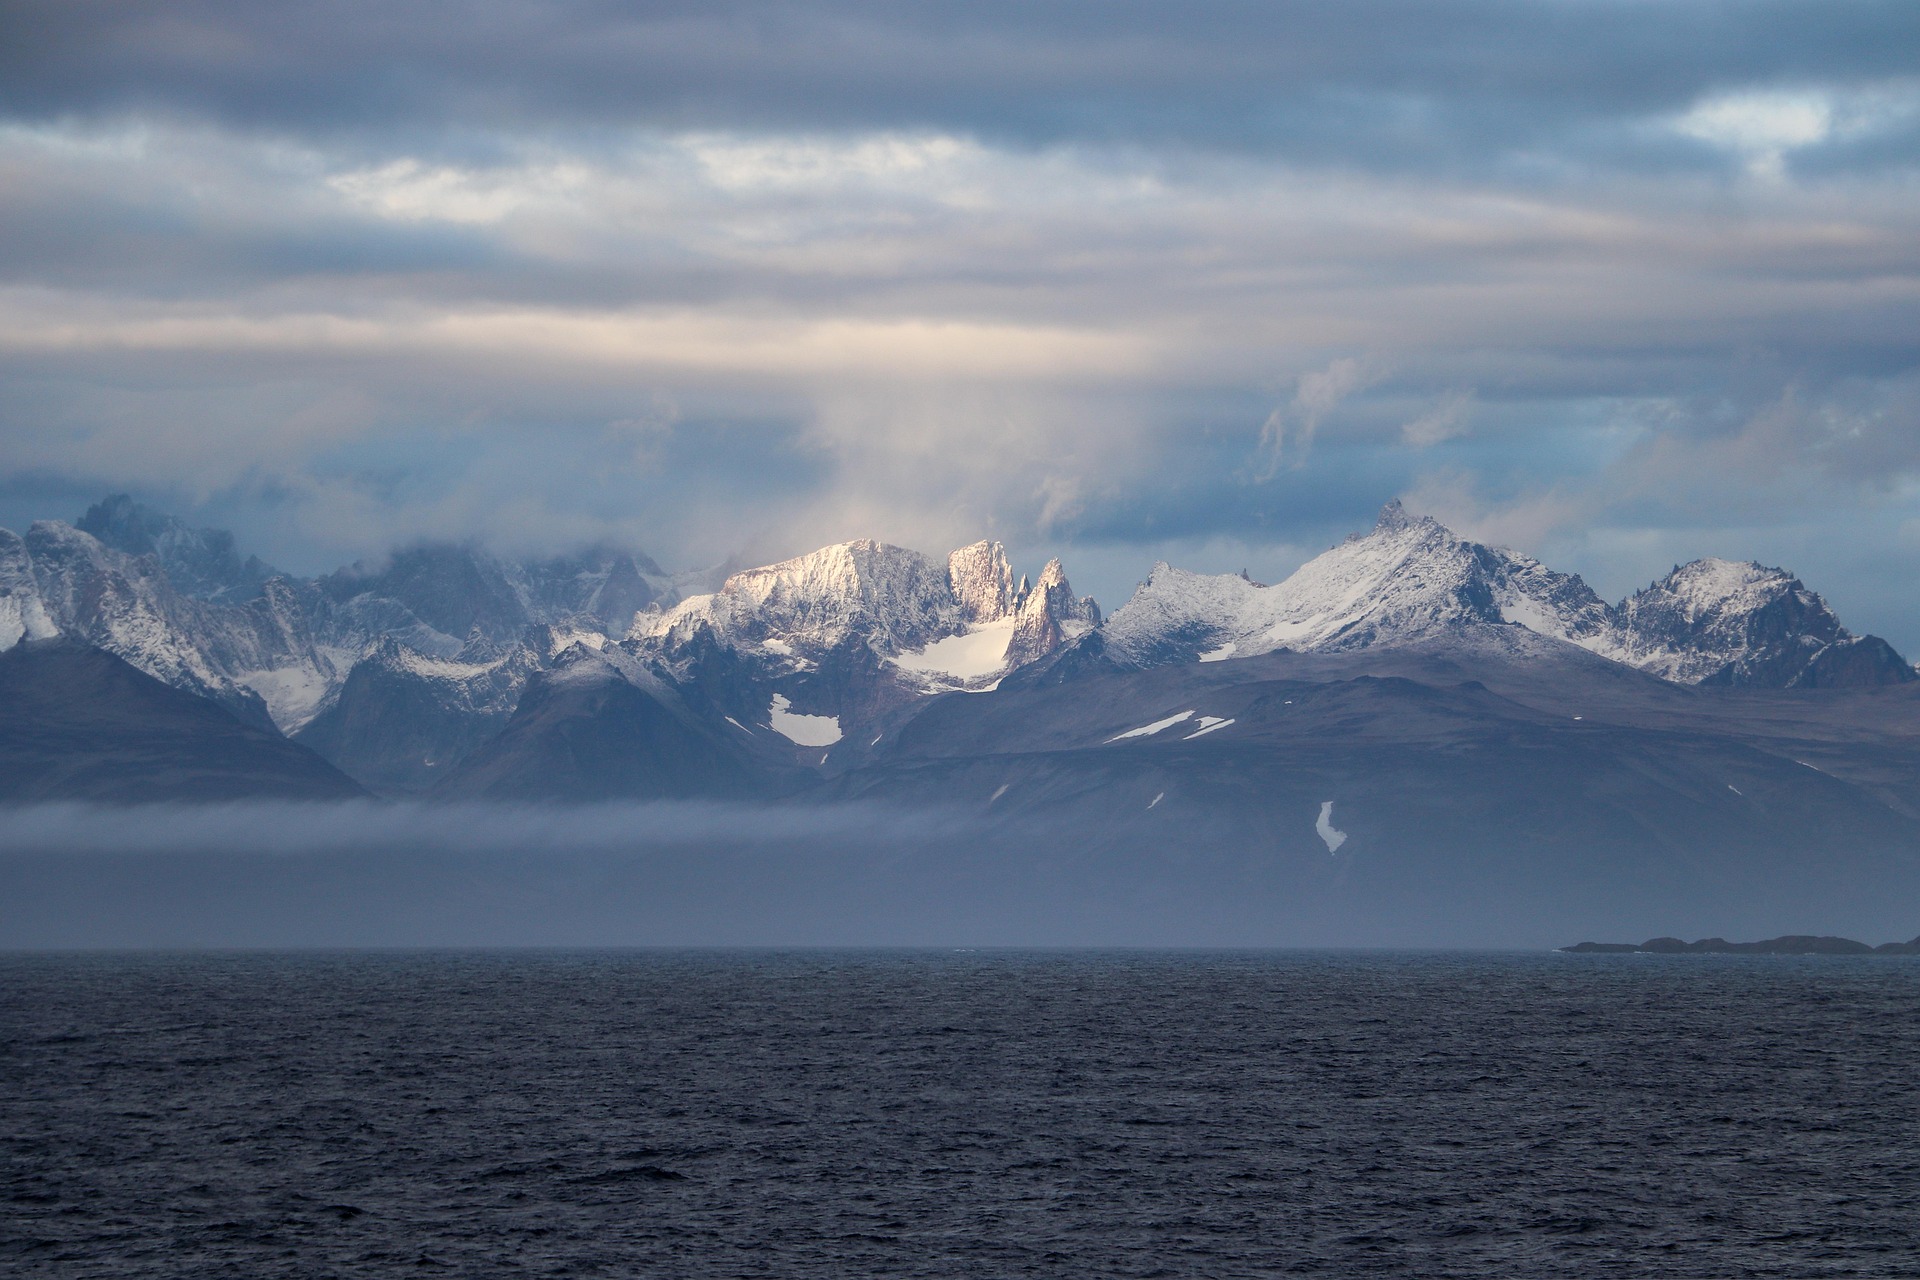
[[1793, 944]]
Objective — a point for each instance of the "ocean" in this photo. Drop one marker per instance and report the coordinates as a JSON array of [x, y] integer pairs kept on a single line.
[[957, 1114]]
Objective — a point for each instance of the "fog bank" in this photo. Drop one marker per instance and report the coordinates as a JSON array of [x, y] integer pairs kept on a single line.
[[264, 875]]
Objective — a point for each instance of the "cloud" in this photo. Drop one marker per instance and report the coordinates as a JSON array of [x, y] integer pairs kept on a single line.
[[341, 274], [1442, 422], [1422, 84], [1762, 127], [1286, 437], [287, 829], [1766, 126]]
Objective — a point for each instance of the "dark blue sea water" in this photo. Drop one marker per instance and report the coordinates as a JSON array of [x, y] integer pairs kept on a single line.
[[958, 1114]]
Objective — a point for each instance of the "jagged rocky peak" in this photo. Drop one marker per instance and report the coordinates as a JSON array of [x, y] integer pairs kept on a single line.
[[604, 583], [1394, 518], [1050, 616], [198, 562], [125, 605], [1711, 587], [549, 640], [451, 588], [894, 599], [402, 719], [982, 581], [856, 631], [1738, 622], [1411, 580]]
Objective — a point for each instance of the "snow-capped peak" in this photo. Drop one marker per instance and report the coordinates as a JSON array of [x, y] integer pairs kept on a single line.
[[198, 562], [1739, 622], [1408, 578], [894, 599], [1711, 586], [1394, 518]]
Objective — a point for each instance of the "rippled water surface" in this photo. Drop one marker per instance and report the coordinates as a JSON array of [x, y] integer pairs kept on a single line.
[[958, 1114]]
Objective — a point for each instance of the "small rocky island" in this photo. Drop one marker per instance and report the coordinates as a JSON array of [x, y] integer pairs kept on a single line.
[[1793, 944]]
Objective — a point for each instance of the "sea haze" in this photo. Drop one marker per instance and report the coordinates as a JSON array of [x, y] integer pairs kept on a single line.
[[370, 874], [942, 1114]]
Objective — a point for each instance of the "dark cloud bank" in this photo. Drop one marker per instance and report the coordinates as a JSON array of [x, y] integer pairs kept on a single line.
[[1407, 81]]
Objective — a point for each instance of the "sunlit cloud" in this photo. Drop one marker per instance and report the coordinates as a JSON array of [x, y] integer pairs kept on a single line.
[[1765, 127], [412, 191]]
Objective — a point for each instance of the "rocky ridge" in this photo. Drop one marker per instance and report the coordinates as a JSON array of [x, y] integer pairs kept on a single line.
[[836, 645], [398, 669], [1412, 581], [182, 605]]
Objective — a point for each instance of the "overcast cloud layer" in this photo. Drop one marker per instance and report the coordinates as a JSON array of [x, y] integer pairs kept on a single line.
[[1615, 283]]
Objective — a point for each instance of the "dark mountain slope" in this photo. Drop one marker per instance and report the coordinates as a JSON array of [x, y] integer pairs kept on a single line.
[[593, 728], [403, 720], [1434, 794], [81, 724]]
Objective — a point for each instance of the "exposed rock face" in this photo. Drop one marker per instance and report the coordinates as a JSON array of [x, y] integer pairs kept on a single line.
[[434, 597], [1741, 623], [431, 597], [184, 606], [403, 719], [857, 633], [1050, 616], [398, 670], [891, 599], [1855, 662], [125, 605], [604, 584], [1408, 580], [1411, 581], [23, 614], [198, 562], [982, 581], [82, 724]]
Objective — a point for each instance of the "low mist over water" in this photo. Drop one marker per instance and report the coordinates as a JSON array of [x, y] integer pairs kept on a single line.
[[353, 874]]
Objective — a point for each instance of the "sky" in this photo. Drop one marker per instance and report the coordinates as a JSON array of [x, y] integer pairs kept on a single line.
[[1617, 283]]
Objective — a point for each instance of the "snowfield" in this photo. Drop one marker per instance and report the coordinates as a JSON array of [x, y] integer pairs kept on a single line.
[[802, 730], [978, 653], [1324, 826], [1148, 730]]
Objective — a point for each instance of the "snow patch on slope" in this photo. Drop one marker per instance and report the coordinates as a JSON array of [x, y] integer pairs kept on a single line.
[[975, 654], [1148, 730], [802, 730], [293, 694], [1324, 827]]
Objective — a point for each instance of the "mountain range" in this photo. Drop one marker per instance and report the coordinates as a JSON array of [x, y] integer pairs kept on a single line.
[[1411, 723]]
